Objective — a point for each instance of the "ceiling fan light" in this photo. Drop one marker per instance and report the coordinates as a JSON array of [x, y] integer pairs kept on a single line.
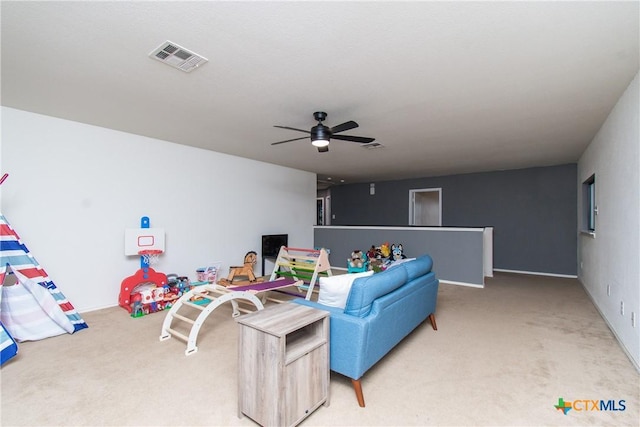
[[320, 142]]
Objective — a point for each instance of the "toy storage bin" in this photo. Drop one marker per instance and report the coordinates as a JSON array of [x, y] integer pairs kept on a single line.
[[208, 274]]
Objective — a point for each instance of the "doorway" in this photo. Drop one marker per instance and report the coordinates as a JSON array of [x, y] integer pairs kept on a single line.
[[425, 207], [320, 214]]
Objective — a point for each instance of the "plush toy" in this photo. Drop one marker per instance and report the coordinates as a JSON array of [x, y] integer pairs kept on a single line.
[[397, 252], [376, 265], [384, 250], [357, 259], [373, 253]]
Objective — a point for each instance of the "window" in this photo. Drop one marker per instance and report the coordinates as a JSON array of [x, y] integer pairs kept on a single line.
[[590, 210]]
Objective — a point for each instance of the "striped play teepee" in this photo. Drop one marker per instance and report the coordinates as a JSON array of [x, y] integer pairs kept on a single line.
[[33, 308], [8, 347]]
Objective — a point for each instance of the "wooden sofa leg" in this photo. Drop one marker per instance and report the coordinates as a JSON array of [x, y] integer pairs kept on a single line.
[[357, 386], [432, 319]]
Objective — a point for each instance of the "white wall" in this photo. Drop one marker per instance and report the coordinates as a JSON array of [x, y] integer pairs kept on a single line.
[[612, 257], [73, 189]]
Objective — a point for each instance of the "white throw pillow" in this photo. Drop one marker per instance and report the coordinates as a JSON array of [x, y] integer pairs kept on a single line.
[[334, 290]]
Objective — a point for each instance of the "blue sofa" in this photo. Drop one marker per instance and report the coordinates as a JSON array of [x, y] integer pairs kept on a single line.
[[380, 311]]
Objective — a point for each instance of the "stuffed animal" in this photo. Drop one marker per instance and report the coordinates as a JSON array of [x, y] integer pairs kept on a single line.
[[376, 265], [373, 253], [357, 259], [384, 250], [397, 252]]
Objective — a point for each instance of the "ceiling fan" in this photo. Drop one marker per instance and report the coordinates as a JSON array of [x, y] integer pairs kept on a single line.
[[321, 134]]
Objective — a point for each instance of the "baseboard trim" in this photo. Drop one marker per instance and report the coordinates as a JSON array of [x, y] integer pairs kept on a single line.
[[537, 273], [471, 285], [101, 307], [625, 350]]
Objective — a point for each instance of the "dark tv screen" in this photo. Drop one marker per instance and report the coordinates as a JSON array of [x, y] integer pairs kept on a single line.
[[271, 244]]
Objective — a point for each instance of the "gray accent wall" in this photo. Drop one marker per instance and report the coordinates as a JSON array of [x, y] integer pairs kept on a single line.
[[533, 212], [457, 253]]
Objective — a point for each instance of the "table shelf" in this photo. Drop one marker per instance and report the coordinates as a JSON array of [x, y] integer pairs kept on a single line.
[[283, 363]]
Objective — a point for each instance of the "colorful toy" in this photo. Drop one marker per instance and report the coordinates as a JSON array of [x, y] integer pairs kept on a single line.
[[358, 262], [208, 274], [245, 270], [215, 296], [144, 292], [377, 257], [302, 264], [357, 259], [146, 289], [397, 252], [136, 305], [34, 307], [397, 255], [8, 346], [374, 253], [385, 251]]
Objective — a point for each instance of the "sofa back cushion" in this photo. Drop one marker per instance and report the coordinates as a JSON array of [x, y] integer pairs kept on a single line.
[[335, 289], [418, 267], [366, 289]]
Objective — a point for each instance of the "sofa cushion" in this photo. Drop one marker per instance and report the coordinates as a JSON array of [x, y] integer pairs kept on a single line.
[[335, 289], [398, 263], [418, 267], [366, 289]]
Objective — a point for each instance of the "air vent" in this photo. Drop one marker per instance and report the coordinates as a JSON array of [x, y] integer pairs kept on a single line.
[[177, 56], [372, 145]]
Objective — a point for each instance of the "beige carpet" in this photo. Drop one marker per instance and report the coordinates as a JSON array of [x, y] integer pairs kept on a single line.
[[502, 356]]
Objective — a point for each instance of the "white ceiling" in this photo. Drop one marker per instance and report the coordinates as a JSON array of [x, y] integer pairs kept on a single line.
[[446, 87]]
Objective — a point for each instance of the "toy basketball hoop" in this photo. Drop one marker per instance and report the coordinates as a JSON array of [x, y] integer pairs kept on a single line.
[[150, 256]]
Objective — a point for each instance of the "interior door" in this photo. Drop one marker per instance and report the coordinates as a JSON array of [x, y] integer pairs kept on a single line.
[[425, 207]]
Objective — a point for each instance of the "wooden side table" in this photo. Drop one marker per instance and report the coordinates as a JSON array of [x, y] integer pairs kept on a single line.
[[283, 364]]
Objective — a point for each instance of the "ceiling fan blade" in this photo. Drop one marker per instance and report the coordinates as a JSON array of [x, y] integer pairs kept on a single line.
[[323, 149], [287, 127], [289, 140], [344, 126], [360, 139]]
